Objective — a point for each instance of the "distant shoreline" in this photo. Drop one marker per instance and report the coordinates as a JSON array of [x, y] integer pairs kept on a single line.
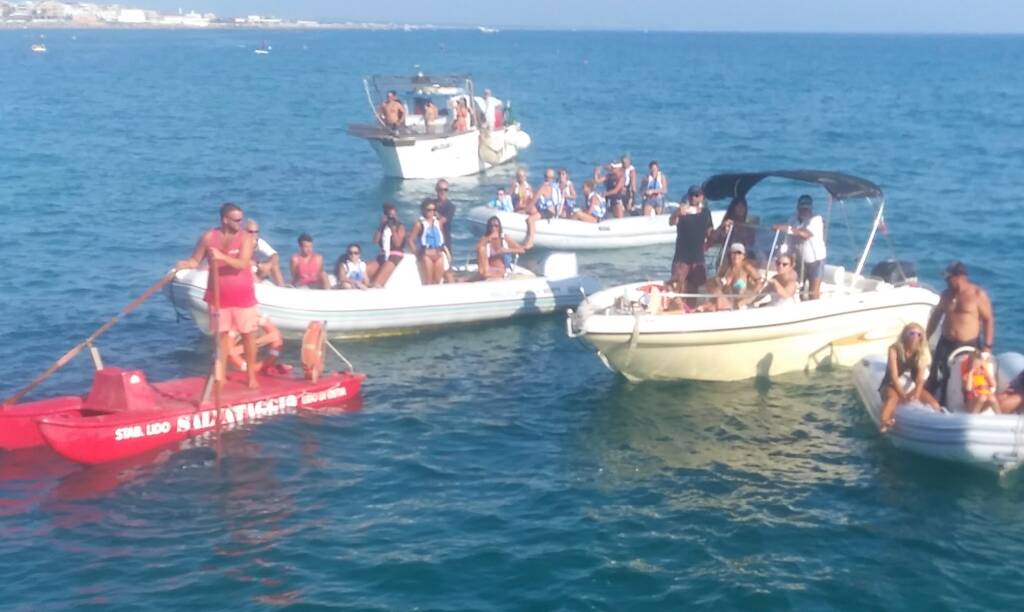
[[369, 27]]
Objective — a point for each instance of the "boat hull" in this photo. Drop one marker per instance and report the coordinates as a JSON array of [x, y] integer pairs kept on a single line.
[[395, 310], [985, 440], [18, 428], [756, 342], [419, 156], [574, 235], [98, 436]]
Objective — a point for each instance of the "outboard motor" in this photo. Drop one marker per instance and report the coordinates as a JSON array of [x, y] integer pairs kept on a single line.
[[895, 272]]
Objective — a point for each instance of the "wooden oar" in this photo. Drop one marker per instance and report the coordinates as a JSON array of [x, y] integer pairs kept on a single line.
[[68, 356]]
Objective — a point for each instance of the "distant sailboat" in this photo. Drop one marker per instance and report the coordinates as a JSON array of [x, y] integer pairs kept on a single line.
[[39, 47], [487, 30], [263, 49]]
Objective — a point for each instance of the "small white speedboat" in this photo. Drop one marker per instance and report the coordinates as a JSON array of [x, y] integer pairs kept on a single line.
[[405, 305], [994, 441], [575, 235], [39, 48]]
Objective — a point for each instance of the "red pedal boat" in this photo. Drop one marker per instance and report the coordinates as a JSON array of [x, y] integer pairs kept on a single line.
[[124, 415]]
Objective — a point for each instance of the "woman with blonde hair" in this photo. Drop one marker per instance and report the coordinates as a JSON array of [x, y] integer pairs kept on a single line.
[[909, 359]]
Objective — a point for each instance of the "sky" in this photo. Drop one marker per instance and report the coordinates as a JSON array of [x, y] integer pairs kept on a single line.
[[920, 16]]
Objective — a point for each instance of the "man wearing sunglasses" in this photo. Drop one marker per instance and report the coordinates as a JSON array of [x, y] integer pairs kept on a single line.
[[230, 249], [445, 210], [966, 313], [266, 261]]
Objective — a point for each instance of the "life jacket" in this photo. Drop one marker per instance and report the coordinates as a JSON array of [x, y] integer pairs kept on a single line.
[[431, 236], [355, 272]]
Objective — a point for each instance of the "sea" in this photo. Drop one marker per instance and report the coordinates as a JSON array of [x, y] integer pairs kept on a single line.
[[501, 466]]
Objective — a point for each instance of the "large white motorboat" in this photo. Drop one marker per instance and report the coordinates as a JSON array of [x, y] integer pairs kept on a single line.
[[993, 441], [418, 148], [405, 305], [575, 235], [857, 314]]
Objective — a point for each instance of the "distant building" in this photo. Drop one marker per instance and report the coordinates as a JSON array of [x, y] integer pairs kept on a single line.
[[131, 16]]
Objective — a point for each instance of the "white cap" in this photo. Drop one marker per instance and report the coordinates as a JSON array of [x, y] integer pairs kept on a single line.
[[737, 247]]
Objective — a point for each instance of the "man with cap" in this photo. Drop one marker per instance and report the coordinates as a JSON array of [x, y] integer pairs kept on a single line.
[[809, 230], [966, 313], [693, 224]]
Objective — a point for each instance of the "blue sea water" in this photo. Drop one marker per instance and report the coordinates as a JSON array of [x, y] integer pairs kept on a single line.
[[497, 467]]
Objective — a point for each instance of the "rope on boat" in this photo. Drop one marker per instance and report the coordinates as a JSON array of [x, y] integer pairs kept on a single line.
[[351, 368]]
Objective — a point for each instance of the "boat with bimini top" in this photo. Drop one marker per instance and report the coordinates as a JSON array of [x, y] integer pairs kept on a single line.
[[646, 332], [435, 126]]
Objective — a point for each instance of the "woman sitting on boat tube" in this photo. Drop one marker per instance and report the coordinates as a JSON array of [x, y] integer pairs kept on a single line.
[[390, 237], [351, 269], [427, 240], [909, 359], [594, 207], [495, 251]]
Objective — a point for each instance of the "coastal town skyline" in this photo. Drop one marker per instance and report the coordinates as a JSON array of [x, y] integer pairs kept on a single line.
[[839, 16]]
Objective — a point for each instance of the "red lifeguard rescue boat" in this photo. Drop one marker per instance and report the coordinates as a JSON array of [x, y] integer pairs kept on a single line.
[[124, 415]]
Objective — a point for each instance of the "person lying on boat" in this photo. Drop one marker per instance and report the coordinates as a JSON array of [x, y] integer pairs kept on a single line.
[[230, 250], [427, 240], [350, 269], [502, 201], [594, 208], [978, 381], [809, 230], [390, 237], [965, 311], [909, 359], [266, 262], [308, 266], [735, 279], [548, 197], [392, 111], [495, 252], [1012, 399], [734, 227], [653, 190], [614, 188], [568, 194], [521, 191]]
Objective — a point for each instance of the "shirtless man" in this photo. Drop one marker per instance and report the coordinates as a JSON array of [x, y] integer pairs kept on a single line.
[[966, 313], [229, 249], [266, 261], [391, 112]]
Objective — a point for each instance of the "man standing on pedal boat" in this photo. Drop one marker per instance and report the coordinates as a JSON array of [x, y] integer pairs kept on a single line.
[[230, 249]]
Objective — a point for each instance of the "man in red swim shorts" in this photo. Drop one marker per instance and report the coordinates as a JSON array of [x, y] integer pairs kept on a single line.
[[230, 249]]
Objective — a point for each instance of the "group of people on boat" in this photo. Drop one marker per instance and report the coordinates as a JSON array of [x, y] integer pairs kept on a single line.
[[739, 281], [964, 317], [456, 117], [621, 194]]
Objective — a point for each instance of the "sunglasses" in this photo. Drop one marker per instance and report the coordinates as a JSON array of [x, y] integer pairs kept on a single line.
[[430, 209], [353, 252], [913, 334], [782, 264], [233, 220], [442, 189]]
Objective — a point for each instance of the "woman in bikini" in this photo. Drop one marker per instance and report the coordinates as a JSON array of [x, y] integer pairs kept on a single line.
[[390, 237], [427, 240], [495, 251]]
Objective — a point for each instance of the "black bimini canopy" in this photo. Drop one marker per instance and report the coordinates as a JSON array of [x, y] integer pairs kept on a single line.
[[840, 186]]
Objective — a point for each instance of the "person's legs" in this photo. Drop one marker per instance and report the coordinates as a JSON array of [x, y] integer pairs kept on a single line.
[[695, 279], [929, 399], [680, 270], [889, 401], [1009, 401], [939, 372], [384, 273]]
